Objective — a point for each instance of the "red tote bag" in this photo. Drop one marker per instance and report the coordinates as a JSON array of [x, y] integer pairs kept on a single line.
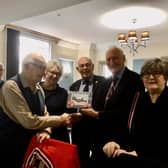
[[51, 153]]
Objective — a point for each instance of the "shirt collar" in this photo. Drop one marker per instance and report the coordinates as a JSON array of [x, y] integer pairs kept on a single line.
[[90, 80], [119, 74], [26, 85]]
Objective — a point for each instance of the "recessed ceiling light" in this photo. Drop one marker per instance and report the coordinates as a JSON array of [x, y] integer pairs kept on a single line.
[[123, 18]]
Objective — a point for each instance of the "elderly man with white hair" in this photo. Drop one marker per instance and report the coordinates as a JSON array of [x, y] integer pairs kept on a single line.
[[24, 112]]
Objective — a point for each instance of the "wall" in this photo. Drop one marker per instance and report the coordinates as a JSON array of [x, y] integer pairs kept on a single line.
[[151, 51], [66, 50], [96, 52], [62, 49], [73, 51], [2, 49], [2, 45]]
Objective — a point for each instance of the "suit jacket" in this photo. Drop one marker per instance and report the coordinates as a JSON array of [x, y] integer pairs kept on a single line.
[[114, 114], [96, 81]]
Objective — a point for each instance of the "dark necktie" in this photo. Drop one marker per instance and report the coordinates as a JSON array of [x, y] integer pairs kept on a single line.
[[112, 88], [86, 87]]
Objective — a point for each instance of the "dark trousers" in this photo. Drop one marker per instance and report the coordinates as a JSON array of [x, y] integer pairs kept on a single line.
[[100, 160]]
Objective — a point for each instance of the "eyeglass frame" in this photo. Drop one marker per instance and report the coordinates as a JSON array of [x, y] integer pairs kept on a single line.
[[41, 67], [155, 75], [54, 73], [85, 65]]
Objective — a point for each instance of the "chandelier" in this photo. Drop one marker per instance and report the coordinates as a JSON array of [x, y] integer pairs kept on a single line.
[[132, 41]]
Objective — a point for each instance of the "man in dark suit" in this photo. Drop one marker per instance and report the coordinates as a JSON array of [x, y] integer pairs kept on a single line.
[[82, 131], [111, 107]]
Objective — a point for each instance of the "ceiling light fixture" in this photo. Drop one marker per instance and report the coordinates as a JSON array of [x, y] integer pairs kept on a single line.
[[122, 18], [132, 41], [132, 18]]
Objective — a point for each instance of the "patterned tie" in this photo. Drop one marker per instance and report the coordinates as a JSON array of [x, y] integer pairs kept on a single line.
[[86, 87], [112, 88]]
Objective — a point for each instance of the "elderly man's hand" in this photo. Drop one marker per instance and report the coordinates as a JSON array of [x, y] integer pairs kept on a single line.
[[110, 148], [41, 136], [118, 152], [66, 119], [75, 117], [89, 112]]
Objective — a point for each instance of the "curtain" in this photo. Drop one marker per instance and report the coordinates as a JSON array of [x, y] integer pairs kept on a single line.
[[12, 52]]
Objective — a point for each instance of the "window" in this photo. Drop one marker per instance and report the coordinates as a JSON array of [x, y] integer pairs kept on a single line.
[[29, 44], [137, 64], [104, 70], [67, 75]]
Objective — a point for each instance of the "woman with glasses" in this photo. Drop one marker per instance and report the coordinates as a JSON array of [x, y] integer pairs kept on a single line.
[[150, 120], [149, 127], [55, 97]]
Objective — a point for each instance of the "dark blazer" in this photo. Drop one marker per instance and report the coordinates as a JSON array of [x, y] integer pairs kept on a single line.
[[83, 130], [113, 114], [96, 81]]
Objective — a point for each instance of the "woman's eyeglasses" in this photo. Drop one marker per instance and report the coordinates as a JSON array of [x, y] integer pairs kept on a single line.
[[55, 73], [147, 76]]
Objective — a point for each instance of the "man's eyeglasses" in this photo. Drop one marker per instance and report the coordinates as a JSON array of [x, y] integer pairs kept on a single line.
[[84, 65], [40, 66]]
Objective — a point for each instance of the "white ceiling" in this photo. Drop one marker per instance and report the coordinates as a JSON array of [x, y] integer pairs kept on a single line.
[[74, 22], [12, 10]]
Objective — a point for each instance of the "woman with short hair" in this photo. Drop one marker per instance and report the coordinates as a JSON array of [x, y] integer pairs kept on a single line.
[[55, 97], [150, 123]]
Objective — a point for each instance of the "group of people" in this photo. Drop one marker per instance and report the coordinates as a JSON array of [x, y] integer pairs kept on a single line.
[[124, 125]]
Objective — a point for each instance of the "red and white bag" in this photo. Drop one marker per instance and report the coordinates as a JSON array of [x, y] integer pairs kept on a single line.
[[51, 153]]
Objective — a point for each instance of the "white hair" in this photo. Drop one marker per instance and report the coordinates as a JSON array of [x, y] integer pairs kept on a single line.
[[53, 62]]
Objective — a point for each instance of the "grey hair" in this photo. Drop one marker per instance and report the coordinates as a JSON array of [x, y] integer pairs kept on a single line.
[[84, 57], [53, 62], [154, 66], [116, 49]]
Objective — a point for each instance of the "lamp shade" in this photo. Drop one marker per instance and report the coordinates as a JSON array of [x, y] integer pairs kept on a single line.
[[145, 35], [132, 41], [122, 37], [132, 35]]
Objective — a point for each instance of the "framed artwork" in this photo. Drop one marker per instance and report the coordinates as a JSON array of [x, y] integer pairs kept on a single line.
[[78, 99]]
